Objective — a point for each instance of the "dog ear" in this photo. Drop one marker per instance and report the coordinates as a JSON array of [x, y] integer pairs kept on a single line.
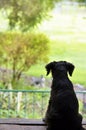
[[49, 67], [70, 68]]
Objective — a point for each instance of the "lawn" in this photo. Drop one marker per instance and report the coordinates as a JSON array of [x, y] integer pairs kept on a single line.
[[67, 32]]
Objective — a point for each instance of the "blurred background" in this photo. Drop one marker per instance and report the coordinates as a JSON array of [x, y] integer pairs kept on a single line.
[[32, 34]]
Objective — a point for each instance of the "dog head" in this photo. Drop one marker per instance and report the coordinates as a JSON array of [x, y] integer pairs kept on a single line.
[[61, 66]]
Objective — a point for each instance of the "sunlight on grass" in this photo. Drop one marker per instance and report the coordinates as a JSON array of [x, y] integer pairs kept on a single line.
[[67, 31]]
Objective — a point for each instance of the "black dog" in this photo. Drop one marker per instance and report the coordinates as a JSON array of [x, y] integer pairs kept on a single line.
[[63, 108]]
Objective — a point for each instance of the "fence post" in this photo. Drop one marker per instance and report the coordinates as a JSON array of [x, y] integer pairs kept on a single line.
[[19, 99]]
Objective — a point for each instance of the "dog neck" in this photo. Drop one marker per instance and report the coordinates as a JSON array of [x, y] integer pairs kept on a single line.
[[61, 82]]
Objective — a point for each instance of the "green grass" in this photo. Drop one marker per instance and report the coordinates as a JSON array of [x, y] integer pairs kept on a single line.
[[74, 53], [67, 32]]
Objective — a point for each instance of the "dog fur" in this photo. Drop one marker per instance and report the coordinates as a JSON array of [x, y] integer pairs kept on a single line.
[[63, 108]]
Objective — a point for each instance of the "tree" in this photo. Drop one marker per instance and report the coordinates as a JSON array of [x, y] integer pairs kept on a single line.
[[25, 14], [20, 51]]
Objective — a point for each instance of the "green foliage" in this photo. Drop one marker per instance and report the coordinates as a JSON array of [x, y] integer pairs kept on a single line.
[[25, 14], [29, 105], [84, 1], [20, 51]]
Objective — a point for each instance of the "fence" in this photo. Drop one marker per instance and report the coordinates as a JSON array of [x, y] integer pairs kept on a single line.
[[30, 104]]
